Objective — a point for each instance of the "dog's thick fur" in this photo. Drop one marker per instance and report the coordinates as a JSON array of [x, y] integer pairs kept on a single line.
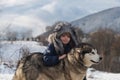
[[73, 67]]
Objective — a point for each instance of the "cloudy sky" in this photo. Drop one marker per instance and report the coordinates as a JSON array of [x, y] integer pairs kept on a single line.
[[36, 14]]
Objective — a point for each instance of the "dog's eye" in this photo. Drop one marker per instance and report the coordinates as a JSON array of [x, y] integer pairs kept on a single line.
[[93, 53]]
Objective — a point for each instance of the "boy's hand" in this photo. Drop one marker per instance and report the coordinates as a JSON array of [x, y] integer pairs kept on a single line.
[[62, 56]]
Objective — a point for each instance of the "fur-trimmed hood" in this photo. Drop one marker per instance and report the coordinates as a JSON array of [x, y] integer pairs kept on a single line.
[[59, 29]]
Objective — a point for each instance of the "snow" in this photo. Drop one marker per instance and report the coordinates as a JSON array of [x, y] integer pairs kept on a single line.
[[6, 76], [11, 51], [99, 75]]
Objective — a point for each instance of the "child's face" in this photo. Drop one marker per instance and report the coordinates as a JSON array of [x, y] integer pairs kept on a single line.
[[65, 38]]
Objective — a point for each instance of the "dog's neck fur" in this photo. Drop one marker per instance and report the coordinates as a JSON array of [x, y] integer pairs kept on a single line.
[[71, 58], [73, 71], [80, 65]]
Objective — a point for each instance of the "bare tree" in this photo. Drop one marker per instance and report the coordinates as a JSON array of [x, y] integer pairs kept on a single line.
[[0, 53], [115, 49], [26, 35], [116, 46], [24, 51], [12, 36]]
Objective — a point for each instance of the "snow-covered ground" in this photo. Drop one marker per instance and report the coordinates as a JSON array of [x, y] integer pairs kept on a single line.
[[99, 75], [11, 53], [6, 73]]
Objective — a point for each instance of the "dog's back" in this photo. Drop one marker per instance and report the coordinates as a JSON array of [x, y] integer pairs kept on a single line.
[[28, 67]]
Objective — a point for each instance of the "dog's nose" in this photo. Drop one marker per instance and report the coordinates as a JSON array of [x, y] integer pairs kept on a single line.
[[100, 58]]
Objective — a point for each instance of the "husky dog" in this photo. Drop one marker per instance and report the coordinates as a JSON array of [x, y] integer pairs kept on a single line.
[[73, 67]]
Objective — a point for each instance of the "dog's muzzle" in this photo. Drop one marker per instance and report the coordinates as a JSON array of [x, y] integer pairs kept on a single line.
[[95, 61]]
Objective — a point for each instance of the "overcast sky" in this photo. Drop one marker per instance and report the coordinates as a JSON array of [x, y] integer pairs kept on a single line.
[[36, 14]]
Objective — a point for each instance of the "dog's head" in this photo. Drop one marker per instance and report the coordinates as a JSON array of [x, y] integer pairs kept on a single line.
[[84, 53]]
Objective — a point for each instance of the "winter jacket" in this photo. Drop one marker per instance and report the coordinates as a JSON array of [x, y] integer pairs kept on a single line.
[[51, 58]]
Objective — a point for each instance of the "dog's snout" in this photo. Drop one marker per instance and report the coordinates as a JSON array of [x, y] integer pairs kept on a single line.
[[100, 58]]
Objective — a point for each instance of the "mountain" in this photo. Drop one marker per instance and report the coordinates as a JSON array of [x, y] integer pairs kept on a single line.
[[109, 18]]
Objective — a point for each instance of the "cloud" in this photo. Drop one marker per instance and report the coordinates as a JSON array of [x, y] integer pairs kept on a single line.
[[50, 11], [49, 7], [31, 22], [98, 5], [23, 21], [63, 11], [9, 3]]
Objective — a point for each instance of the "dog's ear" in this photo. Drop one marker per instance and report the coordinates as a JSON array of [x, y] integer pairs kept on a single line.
[[75, 54], [78, 50], [70, 56], [86, 48], [72, 51], [83, 49]]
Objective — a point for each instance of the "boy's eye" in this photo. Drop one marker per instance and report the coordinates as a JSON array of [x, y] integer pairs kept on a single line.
[[63, 35]]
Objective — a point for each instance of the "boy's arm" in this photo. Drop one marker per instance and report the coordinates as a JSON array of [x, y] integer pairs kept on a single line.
[[50, 57]]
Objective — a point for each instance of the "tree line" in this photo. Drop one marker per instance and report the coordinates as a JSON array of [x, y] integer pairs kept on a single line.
[[9, 35], [107, 42]]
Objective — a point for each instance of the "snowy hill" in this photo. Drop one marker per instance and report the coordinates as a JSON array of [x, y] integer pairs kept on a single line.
[[10, 53], [109, 18]]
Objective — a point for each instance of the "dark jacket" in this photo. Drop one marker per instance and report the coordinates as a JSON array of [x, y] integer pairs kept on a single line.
[[51, 57]]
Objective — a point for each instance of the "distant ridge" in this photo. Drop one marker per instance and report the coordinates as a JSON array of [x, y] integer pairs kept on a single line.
[[109, 18]]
